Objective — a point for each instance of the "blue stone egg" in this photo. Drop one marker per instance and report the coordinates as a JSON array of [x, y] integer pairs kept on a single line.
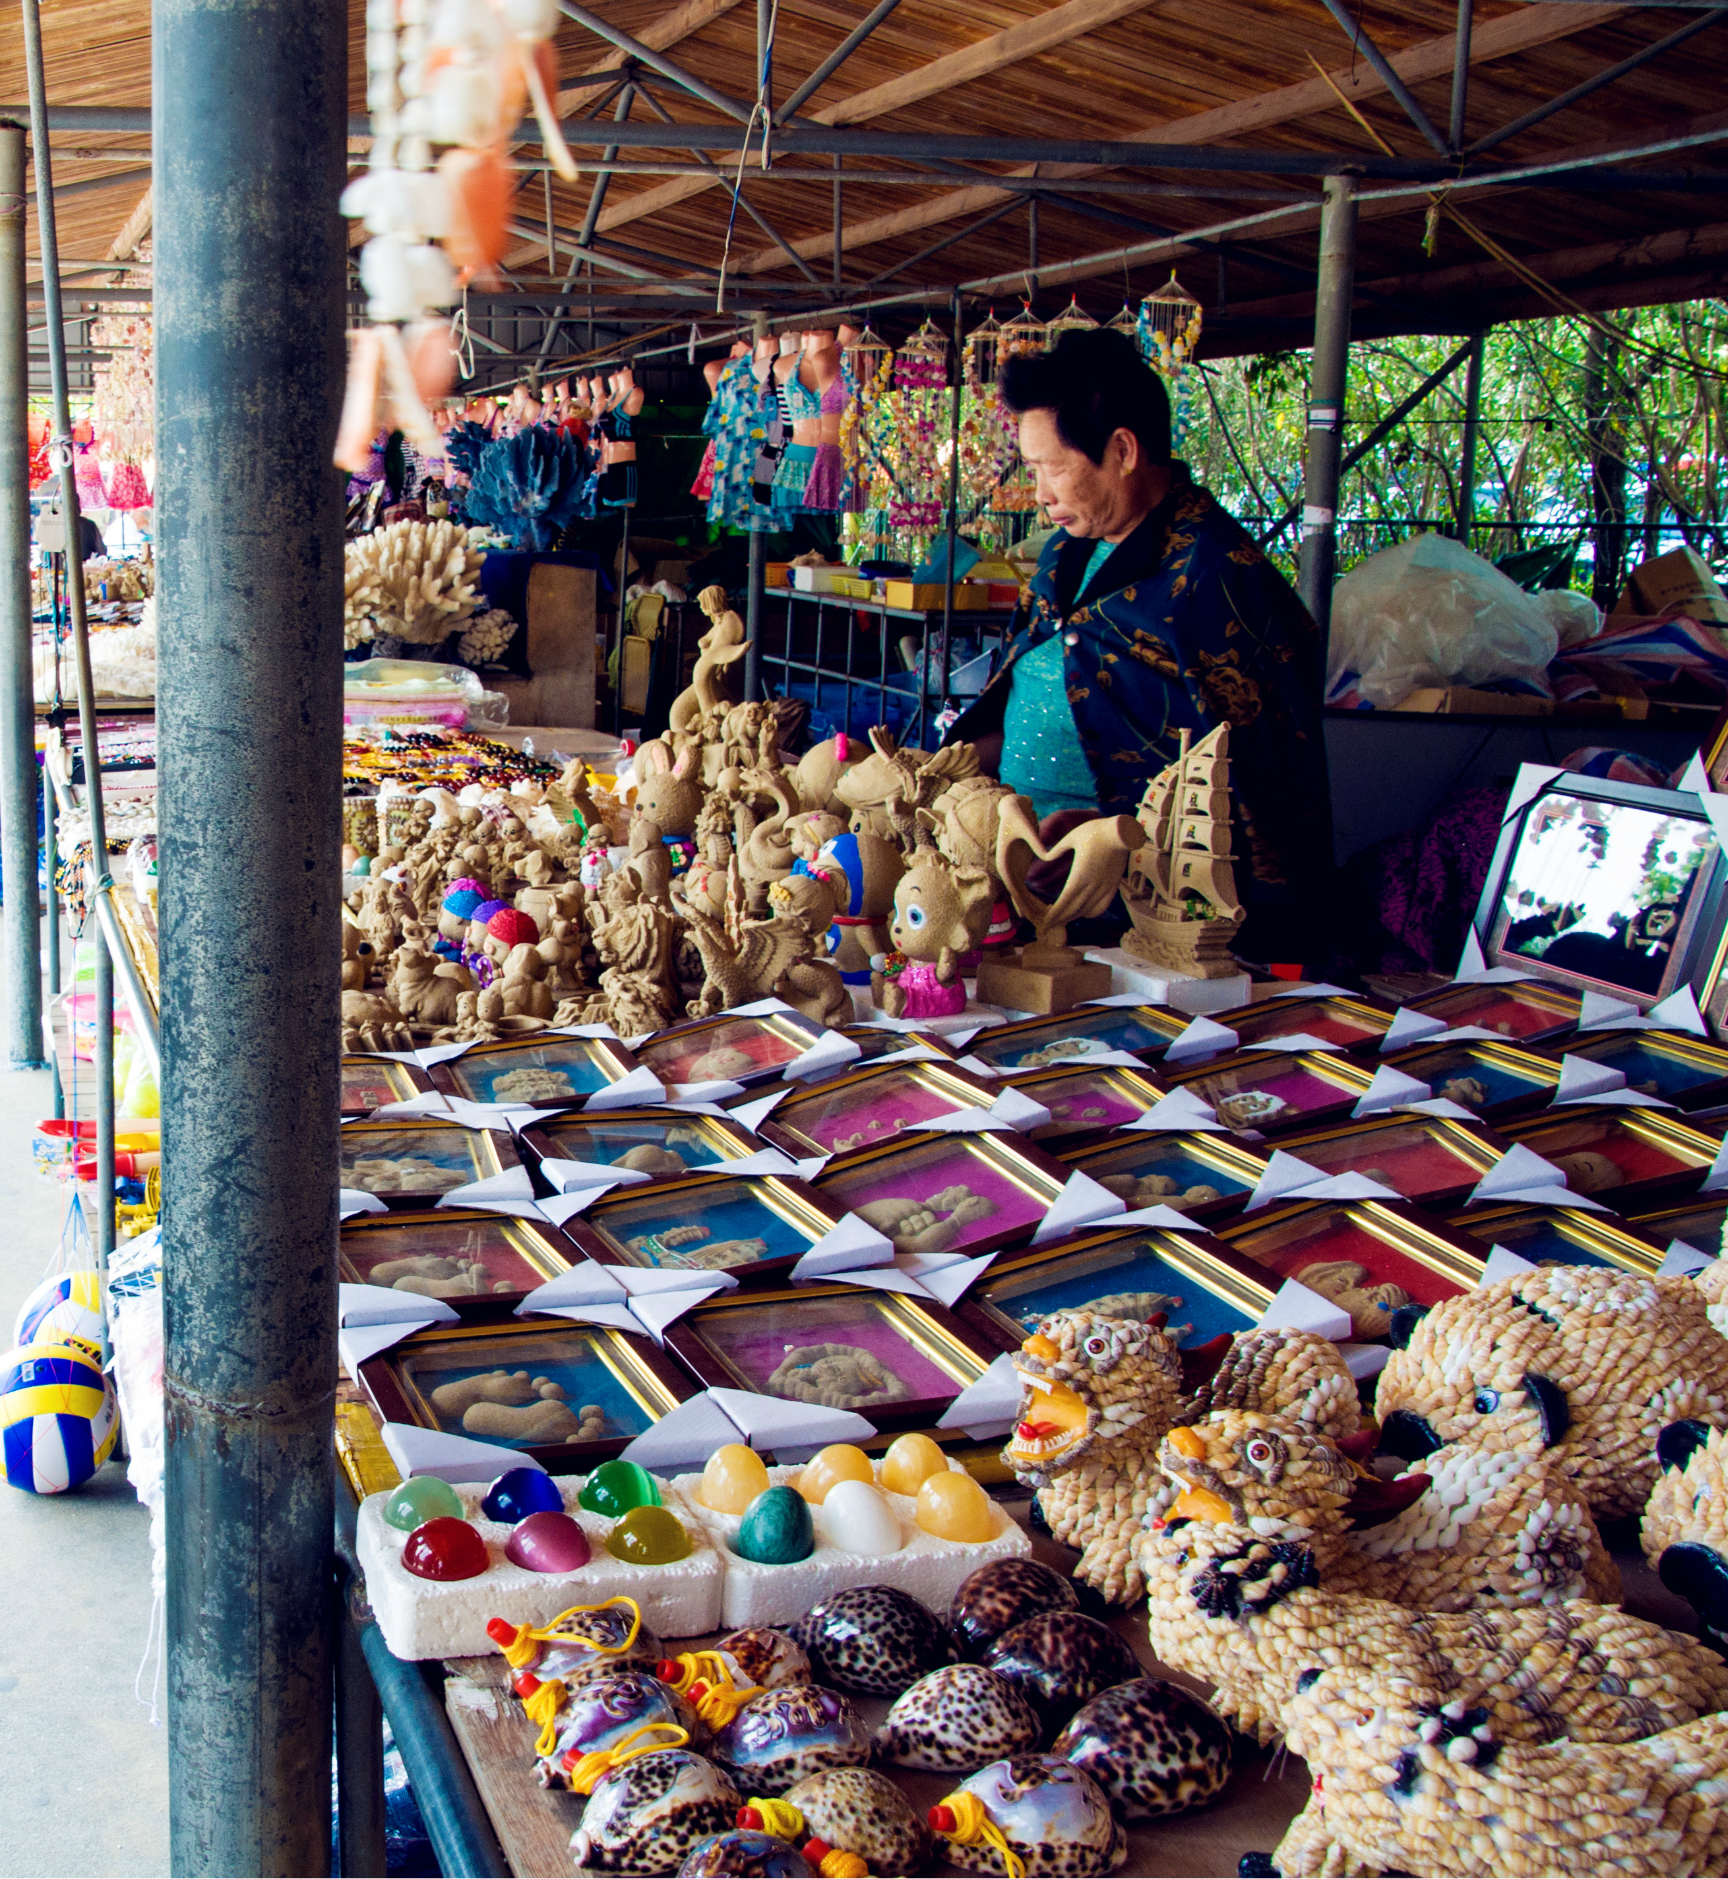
[[521, 1492]]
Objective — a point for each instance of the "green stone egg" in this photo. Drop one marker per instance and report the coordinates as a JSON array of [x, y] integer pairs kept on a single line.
[[648, 1536], [776, 1530], [617, 1486], [424, 1497]]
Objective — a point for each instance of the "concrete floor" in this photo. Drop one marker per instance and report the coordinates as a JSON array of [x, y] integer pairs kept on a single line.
[[85, 1776]]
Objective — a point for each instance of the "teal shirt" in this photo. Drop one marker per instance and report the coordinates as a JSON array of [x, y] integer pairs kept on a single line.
[[1041, 754]]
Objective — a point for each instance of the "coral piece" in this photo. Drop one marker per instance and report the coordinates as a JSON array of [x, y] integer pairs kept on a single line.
[[1588, 1361], [1159, 1190], [1419, 1780], [1344, 1282], [527, 487], [412, 581], [486, 637]]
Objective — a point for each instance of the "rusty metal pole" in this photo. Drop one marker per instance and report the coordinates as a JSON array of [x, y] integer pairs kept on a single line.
[[1326, 391]]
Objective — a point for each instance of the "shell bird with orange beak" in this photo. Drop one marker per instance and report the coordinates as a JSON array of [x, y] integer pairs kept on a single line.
[[1244, 1571]]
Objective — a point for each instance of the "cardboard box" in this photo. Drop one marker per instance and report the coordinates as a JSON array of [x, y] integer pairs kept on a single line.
[[1680, 578], [927, 596], [1445, 700], [776, 574]]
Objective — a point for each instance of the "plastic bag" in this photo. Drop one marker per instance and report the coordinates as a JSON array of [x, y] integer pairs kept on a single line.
[[1576, 617], [418, 692], [1429, 612]]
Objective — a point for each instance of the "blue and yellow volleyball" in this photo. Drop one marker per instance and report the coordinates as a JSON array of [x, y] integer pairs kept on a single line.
[[57, 1417], [64, 1309]]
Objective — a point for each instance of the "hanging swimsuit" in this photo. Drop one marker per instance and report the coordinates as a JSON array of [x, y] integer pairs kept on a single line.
[[826, 488], [798, 405]]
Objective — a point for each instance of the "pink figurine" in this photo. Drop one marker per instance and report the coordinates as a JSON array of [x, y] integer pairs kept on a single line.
[[940, 914]]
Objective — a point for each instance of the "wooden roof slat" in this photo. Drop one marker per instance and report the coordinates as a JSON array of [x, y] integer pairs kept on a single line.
[[1533, 26]]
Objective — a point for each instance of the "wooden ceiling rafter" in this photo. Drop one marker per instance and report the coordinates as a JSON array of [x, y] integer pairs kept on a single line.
[[1535, 25]]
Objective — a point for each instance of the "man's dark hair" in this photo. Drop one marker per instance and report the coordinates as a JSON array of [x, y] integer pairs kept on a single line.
[[1097, 384]]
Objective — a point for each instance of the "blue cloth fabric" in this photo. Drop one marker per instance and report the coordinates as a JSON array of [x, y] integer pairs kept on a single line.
[[1183, 626]]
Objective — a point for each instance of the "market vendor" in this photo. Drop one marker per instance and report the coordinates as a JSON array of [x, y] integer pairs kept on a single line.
[[1153, 612]]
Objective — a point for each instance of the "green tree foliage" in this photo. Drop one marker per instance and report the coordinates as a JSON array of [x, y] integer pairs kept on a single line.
[[1663, 373]]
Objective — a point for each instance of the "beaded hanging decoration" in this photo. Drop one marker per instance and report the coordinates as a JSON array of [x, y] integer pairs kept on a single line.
[[1169, 331]]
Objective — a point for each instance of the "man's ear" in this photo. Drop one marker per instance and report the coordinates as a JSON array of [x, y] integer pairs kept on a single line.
[[1124, 441]]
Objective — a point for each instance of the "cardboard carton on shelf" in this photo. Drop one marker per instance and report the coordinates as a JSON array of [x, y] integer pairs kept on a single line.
[[1449, 700], [926, 596], [1681, 578]]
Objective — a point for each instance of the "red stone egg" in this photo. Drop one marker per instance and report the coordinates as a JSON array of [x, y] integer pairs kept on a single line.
[[445, 1548]]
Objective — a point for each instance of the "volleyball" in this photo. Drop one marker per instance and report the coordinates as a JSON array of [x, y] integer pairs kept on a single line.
[[64, 1309], [57, 1417]]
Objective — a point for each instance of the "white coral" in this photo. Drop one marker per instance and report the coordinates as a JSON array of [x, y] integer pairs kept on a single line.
[[487, 636], [413, 581]]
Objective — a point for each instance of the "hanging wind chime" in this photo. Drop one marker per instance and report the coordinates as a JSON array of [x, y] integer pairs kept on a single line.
[[1169, 332]]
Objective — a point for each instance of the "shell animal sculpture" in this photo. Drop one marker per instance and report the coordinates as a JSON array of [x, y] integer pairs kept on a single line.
[[1587, 1361], [1469, 1526], [1248, 1605], [1685, 1528], [1100, 1392], [1417, 1779]]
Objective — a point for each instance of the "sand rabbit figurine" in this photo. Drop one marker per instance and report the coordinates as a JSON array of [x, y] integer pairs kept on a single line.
[[668, 801], [940, 913]]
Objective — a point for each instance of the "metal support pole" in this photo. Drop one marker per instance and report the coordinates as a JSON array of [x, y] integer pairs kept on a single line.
[[360, 1849], [1326, 384], [1467, 449], [765, 61], [1461, 74], [249, 268], [756, 578], [18, 774], [50, 864], [956, 316], [839, 246], [104, 989]]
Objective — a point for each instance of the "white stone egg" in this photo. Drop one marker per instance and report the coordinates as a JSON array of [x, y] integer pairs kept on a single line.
[[856, 1518]]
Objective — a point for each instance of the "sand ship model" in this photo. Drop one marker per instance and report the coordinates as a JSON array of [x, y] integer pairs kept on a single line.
[[1180, 890]]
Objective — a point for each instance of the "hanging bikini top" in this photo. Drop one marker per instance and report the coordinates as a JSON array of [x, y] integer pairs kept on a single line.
[[798, 402]]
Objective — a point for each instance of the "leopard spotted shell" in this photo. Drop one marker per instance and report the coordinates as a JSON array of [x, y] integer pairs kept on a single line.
[[1002, 1593], [645, 1816], [765, 1656], [863, 1812], [1053, 1816], [957, 1719], [872, 1639], [1060, 1660], [789, 1732], [1152, 1748]]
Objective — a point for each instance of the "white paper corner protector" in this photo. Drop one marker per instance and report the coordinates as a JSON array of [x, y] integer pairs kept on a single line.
[[383, 1304], [751, 1115], [1410, 1027], [568, 1176], [1364, 1360], [1200, 1037], [852, 1243], [1298, 1308], [1181, 1111], [1389, 1089], [1284, 1174], [990, 1403], [354, 1200], [452, 1457], [586, 1283], [635, 1088], [1682, 1261], [827, 1054], [1503, 1263], [511, 1184], [1082, 1202], [358, 1343]]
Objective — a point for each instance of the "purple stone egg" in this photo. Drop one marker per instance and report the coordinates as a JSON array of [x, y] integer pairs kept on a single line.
[[548, 1542]]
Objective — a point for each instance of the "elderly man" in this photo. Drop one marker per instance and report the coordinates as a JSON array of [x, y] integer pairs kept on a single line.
[[1152, 613]]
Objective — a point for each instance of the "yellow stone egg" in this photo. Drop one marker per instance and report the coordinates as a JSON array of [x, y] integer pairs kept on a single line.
[[839, 1461], [954, 1507], [732, 1479], [910, 1462]]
